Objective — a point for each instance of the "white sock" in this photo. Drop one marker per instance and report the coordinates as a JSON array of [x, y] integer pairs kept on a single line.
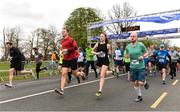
[[10, 82], [138, 91]]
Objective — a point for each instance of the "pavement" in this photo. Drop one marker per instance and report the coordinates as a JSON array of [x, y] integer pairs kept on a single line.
[[118, 95]]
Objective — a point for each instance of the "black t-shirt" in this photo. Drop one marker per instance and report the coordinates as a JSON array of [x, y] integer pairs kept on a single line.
[[16, 55]]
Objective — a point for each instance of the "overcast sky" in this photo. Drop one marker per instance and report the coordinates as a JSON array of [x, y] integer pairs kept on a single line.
[[30, 14]]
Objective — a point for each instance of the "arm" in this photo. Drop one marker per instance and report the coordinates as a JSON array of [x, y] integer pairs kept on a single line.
[[109, 50], [145, 53], [94, 49], [169, 57]]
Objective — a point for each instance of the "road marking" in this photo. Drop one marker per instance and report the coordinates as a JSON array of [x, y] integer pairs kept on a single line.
[[175, 82], [49, 91], [157, 102]]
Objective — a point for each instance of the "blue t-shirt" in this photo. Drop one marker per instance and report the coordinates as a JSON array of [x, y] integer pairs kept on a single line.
[[162, 56]]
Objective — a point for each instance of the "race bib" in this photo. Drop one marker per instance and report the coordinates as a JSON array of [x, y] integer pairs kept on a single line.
[[161, 60], [135, 62], [102, 55], [118, 58]]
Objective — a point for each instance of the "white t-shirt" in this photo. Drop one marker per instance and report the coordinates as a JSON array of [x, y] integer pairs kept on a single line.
[[81, 57]]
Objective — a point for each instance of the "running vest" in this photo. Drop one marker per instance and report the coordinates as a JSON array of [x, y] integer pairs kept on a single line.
[[102, 48]]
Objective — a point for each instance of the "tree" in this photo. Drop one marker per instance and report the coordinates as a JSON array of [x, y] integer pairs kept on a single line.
[[46, 39], [78, 22], [13, 35], [119, 12], [5, 55]]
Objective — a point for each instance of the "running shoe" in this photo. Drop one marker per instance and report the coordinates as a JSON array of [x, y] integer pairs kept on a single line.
[[59, 91], [163, 82], [8, 85], [146, 85], [98, 94], [138, 99], [45, 68]]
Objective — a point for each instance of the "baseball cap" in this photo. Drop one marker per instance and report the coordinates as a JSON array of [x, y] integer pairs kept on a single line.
[[162, 46]]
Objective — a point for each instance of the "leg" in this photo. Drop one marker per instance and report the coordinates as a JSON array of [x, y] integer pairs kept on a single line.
[[103, 72], [87, 68], [11, 75], [93, 67], [38, 69], [63, 77]]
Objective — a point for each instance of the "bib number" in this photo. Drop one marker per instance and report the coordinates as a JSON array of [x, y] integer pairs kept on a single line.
[[161, 60], [135, 62]]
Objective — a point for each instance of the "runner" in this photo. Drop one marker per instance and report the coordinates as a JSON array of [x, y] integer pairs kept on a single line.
[[174, 57], [90, 60], [16, 63], [60, 67], [151, 60], [161, 56], [102, 49], [70, 55], [136, 51], [81, 59], [38, 60], [118, 59]]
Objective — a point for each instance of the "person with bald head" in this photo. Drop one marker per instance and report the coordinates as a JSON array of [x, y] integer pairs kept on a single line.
[[136, 51]]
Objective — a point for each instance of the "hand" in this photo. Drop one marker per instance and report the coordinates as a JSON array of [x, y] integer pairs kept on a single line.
[[97, 53], [65, 51], [127, 56], [141, 58]]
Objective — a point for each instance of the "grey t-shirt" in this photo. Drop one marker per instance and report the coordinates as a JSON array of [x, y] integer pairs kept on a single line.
[[174, 55], [38, 57]]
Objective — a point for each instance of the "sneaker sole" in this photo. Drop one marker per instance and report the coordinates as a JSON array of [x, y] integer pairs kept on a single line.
[[8, 86], [56, 91]]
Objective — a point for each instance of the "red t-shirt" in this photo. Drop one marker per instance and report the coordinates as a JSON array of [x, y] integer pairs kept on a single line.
[[71, 45]]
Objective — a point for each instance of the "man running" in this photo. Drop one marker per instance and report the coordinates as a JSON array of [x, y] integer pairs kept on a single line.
[[136, 51], [15, 63], [151, 60], [174, 57], [70, 55], [118, 59], [161, 56]]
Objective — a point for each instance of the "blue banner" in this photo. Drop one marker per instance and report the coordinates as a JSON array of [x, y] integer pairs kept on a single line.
[[140, 34], [155, 19]]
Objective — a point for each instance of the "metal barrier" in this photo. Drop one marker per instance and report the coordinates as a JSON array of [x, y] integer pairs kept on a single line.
[[52, 67]]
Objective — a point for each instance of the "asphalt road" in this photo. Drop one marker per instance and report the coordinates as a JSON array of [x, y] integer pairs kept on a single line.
[[118, 95]]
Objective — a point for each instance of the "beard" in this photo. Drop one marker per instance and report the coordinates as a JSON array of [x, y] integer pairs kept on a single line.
[[133, 40]]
